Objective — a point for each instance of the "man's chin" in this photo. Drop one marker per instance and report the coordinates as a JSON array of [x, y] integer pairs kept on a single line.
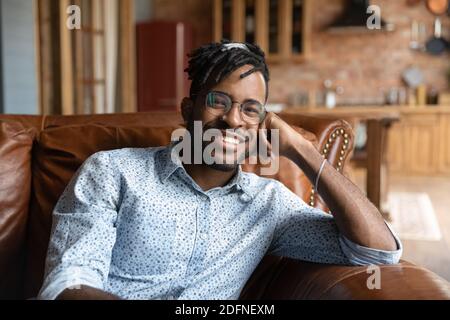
[[230, 162], [223, 167], [225, 163]]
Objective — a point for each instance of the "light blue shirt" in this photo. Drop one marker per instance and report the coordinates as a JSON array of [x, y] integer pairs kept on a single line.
[[132, 222]]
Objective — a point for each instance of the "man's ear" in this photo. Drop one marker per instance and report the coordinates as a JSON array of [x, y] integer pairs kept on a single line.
[[187, 109]]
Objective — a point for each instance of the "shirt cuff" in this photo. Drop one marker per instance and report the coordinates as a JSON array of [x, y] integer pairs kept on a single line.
[[72, 278], [360, 255]]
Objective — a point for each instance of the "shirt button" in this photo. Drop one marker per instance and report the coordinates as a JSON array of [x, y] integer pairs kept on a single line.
[[245, 198], [203, 236]]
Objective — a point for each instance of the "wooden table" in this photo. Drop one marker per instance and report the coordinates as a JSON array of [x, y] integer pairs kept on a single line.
[[378, 122]]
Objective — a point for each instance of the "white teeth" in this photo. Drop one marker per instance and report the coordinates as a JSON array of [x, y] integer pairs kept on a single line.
[[231, 140]]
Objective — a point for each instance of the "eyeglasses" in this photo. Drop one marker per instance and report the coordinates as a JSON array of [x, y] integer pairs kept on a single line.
[[219, 103]]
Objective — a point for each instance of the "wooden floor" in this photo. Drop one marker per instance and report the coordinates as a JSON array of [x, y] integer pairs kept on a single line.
[[434, 255]]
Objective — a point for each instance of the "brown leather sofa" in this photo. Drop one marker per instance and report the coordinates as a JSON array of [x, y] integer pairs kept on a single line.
[[39, 155]]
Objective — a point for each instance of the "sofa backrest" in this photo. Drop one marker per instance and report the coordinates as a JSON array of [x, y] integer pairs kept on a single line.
[[62, 143], [16, 142]]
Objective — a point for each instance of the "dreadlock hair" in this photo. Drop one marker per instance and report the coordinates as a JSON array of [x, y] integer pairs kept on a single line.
[[213, 62]]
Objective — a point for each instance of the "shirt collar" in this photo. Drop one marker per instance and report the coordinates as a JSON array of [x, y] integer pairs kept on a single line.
[[241, 182], [169, 162]]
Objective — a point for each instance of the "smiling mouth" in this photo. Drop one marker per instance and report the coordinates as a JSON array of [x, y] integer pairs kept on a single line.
[[231, 140], [234, 136]]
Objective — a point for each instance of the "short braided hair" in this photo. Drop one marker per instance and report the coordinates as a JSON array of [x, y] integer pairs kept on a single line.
[[213, 62]]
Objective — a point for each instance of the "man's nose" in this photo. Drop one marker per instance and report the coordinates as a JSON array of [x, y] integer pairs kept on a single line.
[[233, 116]]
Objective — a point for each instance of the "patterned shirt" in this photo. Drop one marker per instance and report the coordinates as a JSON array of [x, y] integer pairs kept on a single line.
[[132, 222]]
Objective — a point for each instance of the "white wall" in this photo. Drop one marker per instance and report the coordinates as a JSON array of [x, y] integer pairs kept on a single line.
[[20, 88]]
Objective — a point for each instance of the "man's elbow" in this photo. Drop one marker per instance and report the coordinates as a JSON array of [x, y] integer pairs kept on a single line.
[[362, 255]]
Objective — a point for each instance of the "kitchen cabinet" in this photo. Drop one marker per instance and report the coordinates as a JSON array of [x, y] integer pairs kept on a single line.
[[421, 146], [419, 143], [444, 145], [282, 28], [395, 154], [161, 80], [413, 144]]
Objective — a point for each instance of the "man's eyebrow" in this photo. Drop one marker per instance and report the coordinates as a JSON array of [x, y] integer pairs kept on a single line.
[[232, 97], [249, 72]]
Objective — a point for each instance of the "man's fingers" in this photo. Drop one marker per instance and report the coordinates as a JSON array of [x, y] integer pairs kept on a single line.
[[264, 143]]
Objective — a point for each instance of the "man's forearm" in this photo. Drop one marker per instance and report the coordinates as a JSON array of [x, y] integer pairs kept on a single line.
[[86, 293], [356, 217]]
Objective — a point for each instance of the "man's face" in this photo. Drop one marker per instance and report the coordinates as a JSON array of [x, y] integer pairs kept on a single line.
[[231, 147]]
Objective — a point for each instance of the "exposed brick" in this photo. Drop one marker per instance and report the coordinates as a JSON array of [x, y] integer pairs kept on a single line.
[[364, 65]]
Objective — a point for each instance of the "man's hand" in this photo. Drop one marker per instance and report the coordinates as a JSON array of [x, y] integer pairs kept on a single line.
[[288, 135]]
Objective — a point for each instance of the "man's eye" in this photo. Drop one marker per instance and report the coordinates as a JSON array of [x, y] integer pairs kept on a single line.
[[216, 101], [251, 108], [220, 102]]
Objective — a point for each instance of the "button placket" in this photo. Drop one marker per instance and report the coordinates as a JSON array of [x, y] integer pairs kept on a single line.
[[201, 237], [183, 236]]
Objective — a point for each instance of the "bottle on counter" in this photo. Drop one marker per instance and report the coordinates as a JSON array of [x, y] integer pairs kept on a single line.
[[330, 94], [432, 96], [422, 95], [412, 98]]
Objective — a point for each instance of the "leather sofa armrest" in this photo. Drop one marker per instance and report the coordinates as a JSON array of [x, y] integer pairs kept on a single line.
[[283, 278], [334, 139]]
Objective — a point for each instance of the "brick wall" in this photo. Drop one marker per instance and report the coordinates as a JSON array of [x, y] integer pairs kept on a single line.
[[198, 13], [365, 65]]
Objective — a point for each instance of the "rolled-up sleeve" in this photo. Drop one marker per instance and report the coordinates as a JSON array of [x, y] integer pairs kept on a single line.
[[309, 234], [359, 255], [84, 229]]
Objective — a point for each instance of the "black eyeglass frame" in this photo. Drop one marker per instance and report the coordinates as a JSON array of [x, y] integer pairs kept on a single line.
[[261, 115]]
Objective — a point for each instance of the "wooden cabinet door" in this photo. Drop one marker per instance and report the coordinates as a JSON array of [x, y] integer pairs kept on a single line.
[[280, 27], [421, 141], [395, 148], [162, 82], [444, 145]]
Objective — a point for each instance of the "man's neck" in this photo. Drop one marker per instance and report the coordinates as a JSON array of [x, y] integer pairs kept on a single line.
[[208, 178]]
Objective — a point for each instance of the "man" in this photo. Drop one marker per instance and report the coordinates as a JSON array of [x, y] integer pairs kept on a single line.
[[143, 224]]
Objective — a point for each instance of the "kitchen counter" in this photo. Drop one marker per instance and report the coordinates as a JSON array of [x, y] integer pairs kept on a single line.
[[370, 110]]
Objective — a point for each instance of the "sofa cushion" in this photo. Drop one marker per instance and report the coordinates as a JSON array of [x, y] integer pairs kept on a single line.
[[59, 153], [16, 143]]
